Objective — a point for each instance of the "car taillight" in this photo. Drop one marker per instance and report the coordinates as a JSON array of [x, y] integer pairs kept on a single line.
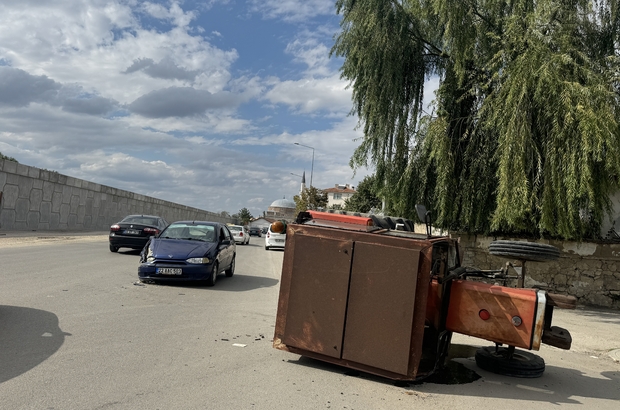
[[115, 228], [268, 235], [151, 231], [240, 233]]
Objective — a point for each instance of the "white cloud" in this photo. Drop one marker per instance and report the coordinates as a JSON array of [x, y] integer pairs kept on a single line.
[[333, 148], [310, 94], [90, 43], [209, 123], [51, 30], [293, 10], [19, 89], [312, 53], [130, 94], [430, 87], [166, 69], [181, 102], [174, 13]]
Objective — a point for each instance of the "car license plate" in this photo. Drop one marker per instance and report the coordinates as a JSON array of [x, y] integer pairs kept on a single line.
[[279, 240], [169, 271], [132, 232]]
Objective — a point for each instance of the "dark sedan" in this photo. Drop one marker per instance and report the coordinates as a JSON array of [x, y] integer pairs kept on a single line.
[[255, 231], [134, 231], [189, 250]]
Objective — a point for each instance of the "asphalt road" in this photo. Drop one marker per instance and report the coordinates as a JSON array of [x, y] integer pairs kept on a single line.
[[78, 331]]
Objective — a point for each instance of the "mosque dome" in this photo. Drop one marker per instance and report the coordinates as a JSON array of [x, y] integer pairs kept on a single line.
[[283, 203]]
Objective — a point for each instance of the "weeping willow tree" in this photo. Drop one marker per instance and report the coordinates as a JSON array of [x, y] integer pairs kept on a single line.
[[523, 135]]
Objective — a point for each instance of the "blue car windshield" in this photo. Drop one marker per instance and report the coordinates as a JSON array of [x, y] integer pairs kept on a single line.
[[204, 233]]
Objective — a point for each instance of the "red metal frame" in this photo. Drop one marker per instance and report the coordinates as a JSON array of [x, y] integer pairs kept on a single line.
[[495, 313], [351, 219]]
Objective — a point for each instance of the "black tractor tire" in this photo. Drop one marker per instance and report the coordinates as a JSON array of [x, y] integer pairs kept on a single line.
[[380, 222], [113, 248], [522, 364], [527, 251]]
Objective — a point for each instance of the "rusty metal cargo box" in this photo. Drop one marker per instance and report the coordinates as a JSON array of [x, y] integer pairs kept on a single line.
[[370, 294], [355, 298]]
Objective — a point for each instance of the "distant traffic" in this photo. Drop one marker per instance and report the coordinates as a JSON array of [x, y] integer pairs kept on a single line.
[[188, 250]]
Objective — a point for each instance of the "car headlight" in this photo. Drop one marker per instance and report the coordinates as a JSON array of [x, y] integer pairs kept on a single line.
[[202, 261], [149, 255]]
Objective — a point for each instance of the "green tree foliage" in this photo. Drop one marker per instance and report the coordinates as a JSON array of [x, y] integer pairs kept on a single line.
[[310, 198], [524, 133], [365, 197], [2, 156], [244, 216]]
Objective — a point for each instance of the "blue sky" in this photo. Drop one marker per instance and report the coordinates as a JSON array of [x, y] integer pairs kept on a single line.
[[196, 102]]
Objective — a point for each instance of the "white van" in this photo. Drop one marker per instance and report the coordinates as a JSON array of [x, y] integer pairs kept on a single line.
[[276, 235]]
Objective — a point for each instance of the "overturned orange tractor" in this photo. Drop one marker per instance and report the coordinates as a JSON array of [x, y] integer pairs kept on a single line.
[[368, 293]]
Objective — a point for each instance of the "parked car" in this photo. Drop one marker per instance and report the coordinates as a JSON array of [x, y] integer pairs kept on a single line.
[[255, 231], [240, 233], [189, 250], [134, 231], [276, 235]]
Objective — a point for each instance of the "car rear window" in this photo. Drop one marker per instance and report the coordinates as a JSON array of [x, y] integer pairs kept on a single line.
[[140, 220]]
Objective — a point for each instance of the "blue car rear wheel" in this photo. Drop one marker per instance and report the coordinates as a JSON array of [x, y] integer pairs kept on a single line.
[[231, 269]]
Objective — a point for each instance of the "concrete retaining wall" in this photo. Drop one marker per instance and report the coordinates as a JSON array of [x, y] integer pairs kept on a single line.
[[36, 199], [588, 271]]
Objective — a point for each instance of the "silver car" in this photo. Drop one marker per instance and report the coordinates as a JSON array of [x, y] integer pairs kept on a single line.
[[240, 233]]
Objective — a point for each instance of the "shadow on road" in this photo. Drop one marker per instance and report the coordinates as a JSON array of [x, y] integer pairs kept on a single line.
[[557, 385], [601, 315], [27, 338], [129, 252], [238, 283], [242, 283]]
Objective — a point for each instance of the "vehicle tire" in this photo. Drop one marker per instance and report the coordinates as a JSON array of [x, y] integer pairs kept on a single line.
[[527, 251], [213, 278], [522, 363], [113, 248], [231, 269]]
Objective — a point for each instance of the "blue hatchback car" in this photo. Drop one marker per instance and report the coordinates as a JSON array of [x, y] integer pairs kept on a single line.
[[189, 250]]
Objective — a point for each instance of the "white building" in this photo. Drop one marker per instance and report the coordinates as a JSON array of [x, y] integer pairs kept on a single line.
[[337, 195]]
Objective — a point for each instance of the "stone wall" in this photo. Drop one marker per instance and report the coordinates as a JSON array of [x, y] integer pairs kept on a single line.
[[588, 271], [36, 199]]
